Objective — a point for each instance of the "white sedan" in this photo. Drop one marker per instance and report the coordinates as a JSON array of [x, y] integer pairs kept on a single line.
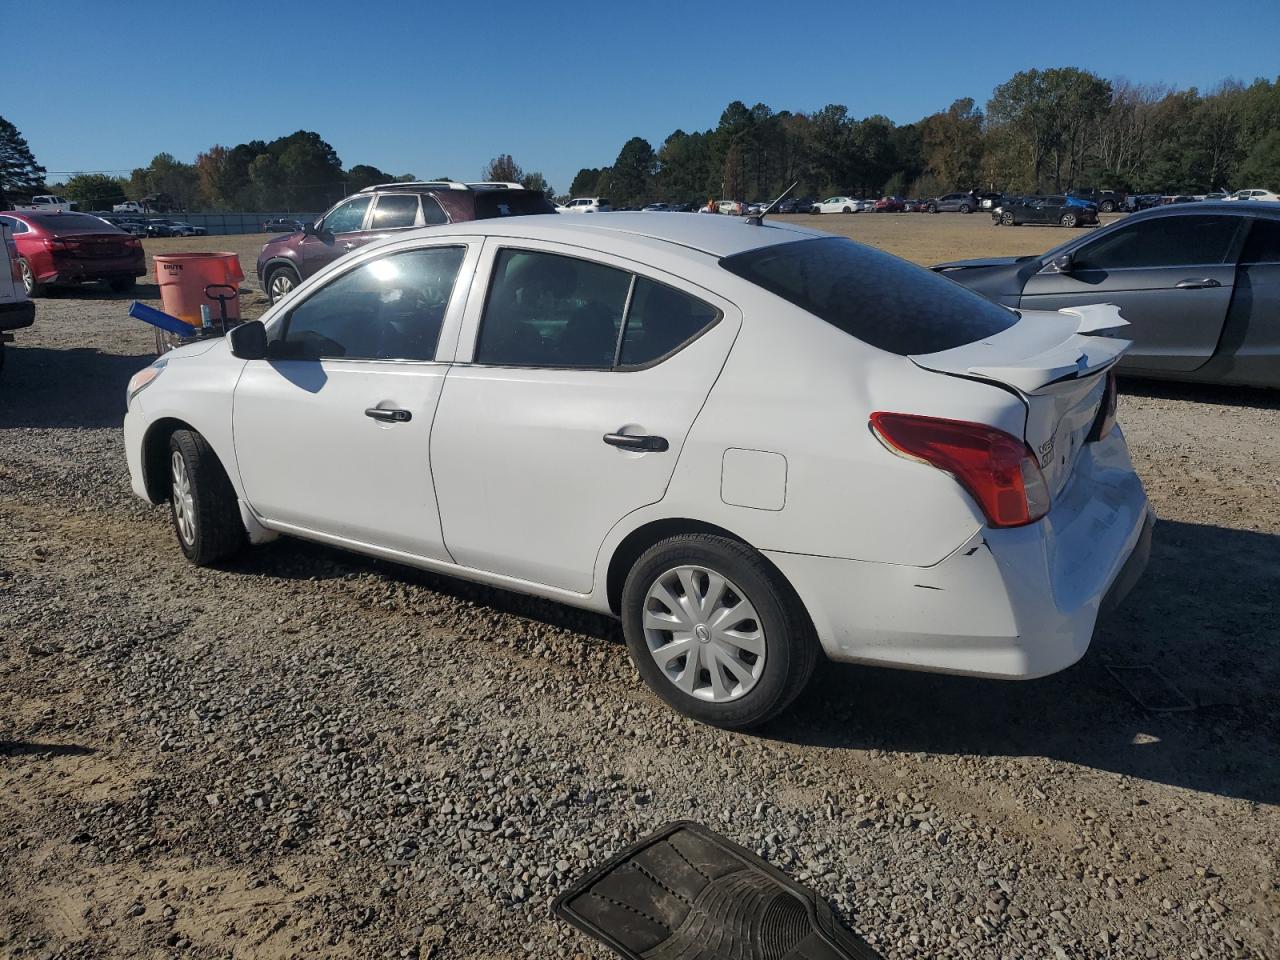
[[753, 443], [1255, 194], [836, 205]]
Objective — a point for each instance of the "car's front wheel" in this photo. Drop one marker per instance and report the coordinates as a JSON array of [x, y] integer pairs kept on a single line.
[[1107, 206], [1007, 219], [281, 282], [715, 631], [206, 514]]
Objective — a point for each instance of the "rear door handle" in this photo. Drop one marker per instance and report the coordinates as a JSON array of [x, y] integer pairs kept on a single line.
[[629, 441], [1200, 284], [388, 415]]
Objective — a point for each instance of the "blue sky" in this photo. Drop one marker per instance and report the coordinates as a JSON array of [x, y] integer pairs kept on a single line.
[[439, 89]]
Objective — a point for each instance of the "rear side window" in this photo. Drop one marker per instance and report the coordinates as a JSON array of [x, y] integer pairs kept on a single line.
[[395, 210], [549, 310], [511, 203], [432, 214], [660, 321], [1161, 242], [1263, 245], [878, 298]]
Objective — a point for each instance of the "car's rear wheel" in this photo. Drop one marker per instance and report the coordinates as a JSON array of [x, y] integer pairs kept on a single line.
[[206, 514], [715, 631], [965, 208], [1068, 220], [1107, 206], [29, 283], [932, 208], [281, 282]]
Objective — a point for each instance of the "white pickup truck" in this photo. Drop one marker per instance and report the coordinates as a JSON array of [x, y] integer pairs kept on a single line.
[[129, 206], [46, 203]]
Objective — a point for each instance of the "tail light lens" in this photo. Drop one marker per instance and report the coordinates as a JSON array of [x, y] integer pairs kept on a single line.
[[1107, 411], [59, 245], [997, 469]]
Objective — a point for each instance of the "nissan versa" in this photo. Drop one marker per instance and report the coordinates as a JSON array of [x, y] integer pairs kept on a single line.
[[751, 442]]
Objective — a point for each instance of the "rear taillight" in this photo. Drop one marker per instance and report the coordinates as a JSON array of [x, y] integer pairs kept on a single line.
[[60, 245], [1106, 410], [999, 470]]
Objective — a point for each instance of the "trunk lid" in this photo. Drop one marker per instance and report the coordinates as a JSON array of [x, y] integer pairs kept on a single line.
[[1056, 363]]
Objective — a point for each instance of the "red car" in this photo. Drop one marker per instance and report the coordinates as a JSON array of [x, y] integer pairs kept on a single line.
[[73, 248], [890, 205]]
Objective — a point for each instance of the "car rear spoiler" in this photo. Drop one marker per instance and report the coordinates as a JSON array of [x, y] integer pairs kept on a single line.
[[1034, 353]]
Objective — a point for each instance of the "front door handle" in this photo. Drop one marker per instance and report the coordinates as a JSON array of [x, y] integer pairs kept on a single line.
[[629, 441], [388, 414], [1200, 284]]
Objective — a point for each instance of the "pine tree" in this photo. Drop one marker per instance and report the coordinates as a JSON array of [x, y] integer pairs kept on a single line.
[[18, 168]]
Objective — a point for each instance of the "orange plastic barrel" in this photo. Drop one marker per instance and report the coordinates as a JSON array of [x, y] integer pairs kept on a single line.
[[184, 276]]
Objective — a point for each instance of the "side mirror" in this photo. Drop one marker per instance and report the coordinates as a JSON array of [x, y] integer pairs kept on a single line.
[[310, 229], [1059, 264], [248, 340]]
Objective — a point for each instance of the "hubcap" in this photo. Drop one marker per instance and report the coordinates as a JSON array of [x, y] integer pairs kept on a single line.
[[281, 285], [184, 507], [704, 634], [28, 278]]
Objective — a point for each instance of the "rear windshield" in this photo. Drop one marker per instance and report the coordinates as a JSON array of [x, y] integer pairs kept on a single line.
[[78, 222], [880, 299], [511, 203]]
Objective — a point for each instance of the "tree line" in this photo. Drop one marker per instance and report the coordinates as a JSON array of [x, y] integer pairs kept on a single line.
[[1042, 131], [300, 172]]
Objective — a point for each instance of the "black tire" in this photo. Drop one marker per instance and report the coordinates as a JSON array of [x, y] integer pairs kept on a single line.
[[1007, 219], [29, 284], [932, 208], [1107, 206], [791, 648], [216, 529], [1069, 220], [281, 277], [965, 208], [122, 284]]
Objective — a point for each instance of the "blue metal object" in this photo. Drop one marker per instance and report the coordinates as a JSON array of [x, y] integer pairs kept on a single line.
[[158, 318]]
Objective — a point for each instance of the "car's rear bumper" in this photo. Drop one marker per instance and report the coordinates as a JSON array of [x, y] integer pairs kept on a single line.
[[1013, 603], [17, 314], [82, 271]]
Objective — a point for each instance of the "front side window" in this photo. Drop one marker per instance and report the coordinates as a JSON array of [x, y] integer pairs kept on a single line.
[[395, 210], [873, 296], [391, 308], [1161, 242], [549, 310], [347, 216]]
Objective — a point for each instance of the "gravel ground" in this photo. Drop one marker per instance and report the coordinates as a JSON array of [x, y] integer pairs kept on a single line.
[[311, 753]]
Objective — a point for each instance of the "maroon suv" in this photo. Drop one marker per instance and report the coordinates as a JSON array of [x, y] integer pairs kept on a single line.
[[378, 212]]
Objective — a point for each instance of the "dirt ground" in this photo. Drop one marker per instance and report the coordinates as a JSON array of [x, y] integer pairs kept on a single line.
[[308, 753]]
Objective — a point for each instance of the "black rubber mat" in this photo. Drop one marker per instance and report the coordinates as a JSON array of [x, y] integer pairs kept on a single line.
[[685, 893]]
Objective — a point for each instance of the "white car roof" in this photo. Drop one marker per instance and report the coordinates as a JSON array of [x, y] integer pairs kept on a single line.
[[716, 236]]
